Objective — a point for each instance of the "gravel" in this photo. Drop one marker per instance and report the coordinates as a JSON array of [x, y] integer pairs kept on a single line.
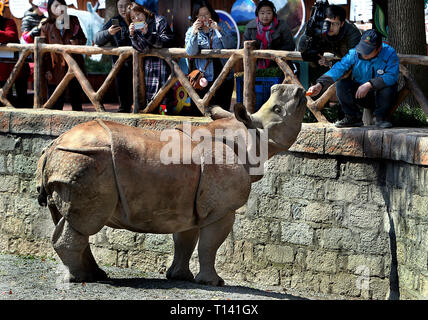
[[30, 278]]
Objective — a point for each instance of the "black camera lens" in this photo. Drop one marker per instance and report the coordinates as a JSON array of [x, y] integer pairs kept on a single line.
[[325, 28]]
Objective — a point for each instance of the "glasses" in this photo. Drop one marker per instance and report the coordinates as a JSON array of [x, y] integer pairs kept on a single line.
[[334, 24], [205, 16]]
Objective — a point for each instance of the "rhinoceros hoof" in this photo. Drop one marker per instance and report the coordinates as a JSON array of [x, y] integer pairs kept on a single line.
[[211, 281], [94, 276], [176, 274]]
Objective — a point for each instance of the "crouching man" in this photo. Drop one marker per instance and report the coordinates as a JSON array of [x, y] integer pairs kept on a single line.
[[372, 83]]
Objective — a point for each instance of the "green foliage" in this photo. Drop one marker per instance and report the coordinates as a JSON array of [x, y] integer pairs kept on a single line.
[[103, 66], [406, 116], [332, 114]]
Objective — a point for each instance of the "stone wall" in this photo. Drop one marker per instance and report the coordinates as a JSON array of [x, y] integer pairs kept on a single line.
[[343, 213]]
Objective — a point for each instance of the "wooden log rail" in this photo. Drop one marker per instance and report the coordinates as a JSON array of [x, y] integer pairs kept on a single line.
[[248, 54]]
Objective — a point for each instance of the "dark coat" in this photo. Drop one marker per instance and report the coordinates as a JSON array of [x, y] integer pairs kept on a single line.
[[54, 62], [349, 36], [282, 38]]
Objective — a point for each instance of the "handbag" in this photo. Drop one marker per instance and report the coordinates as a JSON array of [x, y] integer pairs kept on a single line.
[[196, 75]]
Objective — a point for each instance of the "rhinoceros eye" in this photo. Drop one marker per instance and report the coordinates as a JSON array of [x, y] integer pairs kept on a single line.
[[277, 109]]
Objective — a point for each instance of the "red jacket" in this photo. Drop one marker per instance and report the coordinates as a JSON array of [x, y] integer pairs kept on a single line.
[[8, 34]]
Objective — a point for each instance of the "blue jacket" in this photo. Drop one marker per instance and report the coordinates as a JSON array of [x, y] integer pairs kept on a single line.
[[381, 71], [196, 42]]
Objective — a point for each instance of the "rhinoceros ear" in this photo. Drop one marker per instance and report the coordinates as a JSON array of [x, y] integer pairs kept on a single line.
[[242, 115]]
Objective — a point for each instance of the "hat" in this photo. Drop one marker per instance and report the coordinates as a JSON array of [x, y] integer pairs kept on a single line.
[[370, 40], [41, 4]]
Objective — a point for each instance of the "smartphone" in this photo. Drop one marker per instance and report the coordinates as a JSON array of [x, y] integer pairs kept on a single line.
[[140, 25], [115, 22]]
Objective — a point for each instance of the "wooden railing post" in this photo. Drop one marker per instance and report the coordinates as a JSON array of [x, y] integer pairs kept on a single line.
[[136, 79], [39, 84], [249, 97]]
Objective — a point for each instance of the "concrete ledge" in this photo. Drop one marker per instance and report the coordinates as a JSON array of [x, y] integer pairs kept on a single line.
[[56, 122], [401, 144]]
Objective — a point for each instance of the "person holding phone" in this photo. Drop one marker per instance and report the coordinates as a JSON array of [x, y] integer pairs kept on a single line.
[[116, 32], [208, 32], [62, 29], [147, 31]]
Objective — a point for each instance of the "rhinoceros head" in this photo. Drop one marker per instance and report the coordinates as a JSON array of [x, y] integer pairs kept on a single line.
[[281, 116]]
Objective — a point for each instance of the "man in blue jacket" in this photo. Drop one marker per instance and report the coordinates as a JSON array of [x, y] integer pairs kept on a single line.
[[372, 84]]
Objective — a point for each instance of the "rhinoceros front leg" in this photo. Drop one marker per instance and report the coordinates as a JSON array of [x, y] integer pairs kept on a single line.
[[210, 239], [73, 249], [184, 244]]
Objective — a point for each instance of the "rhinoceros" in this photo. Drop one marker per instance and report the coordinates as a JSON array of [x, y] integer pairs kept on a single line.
[[102, 173]]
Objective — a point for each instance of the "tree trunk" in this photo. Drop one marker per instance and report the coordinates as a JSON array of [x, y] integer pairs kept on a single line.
[[407, 35]]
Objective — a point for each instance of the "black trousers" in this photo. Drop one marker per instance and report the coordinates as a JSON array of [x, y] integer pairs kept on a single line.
[[74, 93], [380, 101]]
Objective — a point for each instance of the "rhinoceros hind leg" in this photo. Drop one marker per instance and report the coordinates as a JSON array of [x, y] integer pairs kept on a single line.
[[184, 244], [210, 239], [73, 249]]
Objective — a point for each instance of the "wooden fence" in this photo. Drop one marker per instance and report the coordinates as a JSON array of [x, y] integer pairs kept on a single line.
[[248, 54]]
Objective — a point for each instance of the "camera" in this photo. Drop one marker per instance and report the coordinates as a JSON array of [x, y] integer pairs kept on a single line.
[[315, 33]]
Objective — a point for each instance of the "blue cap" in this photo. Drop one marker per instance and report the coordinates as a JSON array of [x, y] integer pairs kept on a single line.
[[370, 40]]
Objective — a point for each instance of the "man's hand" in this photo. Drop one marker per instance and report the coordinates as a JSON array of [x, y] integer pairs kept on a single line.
[[113, 30], [323, 61], [314, 90], [363, 90]]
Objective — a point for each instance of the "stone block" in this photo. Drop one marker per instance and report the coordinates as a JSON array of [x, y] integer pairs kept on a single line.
[[296, 233], [61, 122], [364, 216], [421, 151], [104, 256], [346, 142], [370, 265], [302, 187], [379, 288], [4, 121], [279, 254], [322, 212], [373, 242], [341, 191], [9, 184], [373, 144], [336, 239], [259, 230], [399, 145], [322, 261], [8, 143], [30, 122], [320, 167], [360, 171], [274, 207], [119, 239], [311, 139], [345, 284], [161, 243], [25, 165]]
